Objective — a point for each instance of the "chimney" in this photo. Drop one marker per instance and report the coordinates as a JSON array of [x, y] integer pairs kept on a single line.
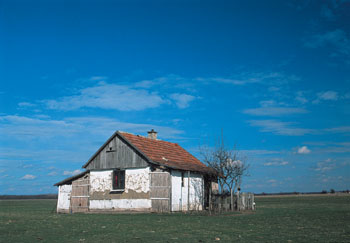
[[152, 134]]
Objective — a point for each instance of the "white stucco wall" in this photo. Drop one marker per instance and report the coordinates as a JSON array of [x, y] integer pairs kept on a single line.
[[180, 194], [63, 202], [120, 204], [136, 179], [100, 181]]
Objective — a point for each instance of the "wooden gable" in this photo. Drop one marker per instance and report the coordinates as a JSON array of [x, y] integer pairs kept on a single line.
[[116, 153]]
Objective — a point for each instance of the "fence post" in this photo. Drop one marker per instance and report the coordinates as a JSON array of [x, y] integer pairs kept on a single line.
[[210, 202], [231, 200]]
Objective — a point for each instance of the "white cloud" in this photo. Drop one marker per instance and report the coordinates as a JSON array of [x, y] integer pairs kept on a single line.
[[274, 111], [276, 163], [272, 79], [279, 127], [71, 173], [336, 39], [303, 150], [24, 127], [325, 166], [273, 181], [98, 78], [327, 12], [343, 129], [106, 126], [300, 97], [53, 173], [255, 152], [268, 103], [182, 100], [328, 95], [108, 96], [25, 104], [336, 148], [21, 127], [236, 81], [28, 177]]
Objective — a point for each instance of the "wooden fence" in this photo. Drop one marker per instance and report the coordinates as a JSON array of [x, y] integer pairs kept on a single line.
[[244, 201]]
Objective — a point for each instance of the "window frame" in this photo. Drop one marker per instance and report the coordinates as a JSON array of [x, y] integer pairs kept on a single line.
[[118, 186]]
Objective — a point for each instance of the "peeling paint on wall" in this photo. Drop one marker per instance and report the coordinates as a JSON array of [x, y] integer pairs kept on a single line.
[[63, 202], [100, 181], [137, 180], [136, 185]]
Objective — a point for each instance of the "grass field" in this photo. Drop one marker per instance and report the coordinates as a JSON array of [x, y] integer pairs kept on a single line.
[[277, 219]]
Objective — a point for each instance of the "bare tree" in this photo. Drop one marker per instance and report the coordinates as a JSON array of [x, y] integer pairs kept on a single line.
[[228, 164]]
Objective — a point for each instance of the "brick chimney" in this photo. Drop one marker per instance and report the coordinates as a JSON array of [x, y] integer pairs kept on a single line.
[[152, 134]]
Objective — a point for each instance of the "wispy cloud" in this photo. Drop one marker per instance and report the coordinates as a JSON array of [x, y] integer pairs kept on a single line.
[[52, 173], [336, 39], [254, 152], [325, 166], [22, 127], [25, 104], [329, 95], [71, 173], [342, 129], [332, 147], [330, 9], [280, 128], [108, 96], [98, 78], [289, 129], [274, 111], [276, 163], [28, 177], [300, 97], [246, 78], [182, 100]]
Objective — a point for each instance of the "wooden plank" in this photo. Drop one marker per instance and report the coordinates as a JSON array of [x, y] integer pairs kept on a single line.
[[80, 194], [160, 191], [160, 205], [122, 157]]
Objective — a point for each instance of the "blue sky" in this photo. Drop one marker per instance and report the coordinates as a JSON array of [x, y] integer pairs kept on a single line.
[[273, 75]]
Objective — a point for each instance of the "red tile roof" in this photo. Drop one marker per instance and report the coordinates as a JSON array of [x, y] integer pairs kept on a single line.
[[166, 153]]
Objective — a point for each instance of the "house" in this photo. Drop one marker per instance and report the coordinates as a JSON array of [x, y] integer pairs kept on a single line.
[[132, 172]]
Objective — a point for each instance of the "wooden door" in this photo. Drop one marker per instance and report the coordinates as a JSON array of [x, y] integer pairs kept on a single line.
[[160, 189], [80, 194]]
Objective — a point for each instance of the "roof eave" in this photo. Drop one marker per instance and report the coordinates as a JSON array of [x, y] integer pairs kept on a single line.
[[72, 178]]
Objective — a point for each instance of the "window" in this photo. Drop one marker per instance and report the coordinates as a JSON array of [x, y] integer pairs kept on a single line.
[[118, 180]]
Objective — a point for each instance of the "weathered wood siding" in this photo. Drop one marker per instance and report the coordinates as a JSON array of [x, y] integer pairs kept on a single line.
[[80, 194], [117, 154], [160, 187]]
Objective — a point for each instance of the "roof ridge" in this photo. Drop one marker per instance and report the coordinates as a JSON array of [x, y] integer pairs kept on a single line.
[[141, 136]]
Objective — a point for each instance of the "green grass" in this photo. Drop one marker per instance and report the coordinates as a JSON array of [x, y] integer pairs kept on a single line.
[[277, 219]]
